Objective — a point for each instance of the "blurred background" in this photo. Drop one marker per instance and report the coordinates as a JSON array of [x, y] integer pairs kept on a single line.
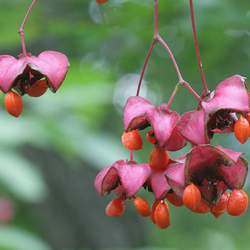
[[49, 156]]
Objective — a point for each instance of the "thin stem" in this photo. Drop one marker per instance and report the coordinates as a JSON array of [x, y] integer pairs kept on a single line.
[[159, 39], [131, 155], [156, 18], [145, 64], [185, 85], [197, 49], [191, 90], [149, 53], [171, 99], [21, 29], [171, 55]]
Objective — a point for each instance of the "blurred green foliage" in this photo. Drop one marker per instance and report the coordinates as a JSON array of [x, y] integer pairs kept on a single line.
[[106, 47]]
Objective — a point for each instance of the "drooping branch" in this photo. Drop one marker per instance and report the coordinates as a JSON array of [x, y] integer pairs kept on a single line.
[[21, 29], [158, 39]]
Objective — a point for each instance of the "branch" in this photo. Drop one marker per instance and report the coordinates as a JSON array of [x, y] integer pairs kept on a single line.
[[158, 39]]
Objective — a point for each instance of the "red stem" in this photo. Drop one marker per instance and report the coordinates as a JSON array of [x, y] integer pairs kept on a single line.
[[156, 32], [171, 55], [158, 39], [21, 29], [197, 49], [156, 18], [145, 64], [191, 90], [131, 155], [171, 99], [188, 87]]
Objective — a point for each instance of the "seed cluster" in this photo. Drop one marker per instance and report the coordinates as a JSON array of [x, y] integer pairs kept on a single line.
[[235, 203], [208, 179]]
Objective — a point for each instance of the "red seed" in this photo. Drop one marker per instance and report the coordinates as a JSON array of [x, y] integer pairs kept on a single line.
[[38, 88], [220, 207], [132, 140], [142, 206], [242, 129], [191, 197], [13, 103], [159, 159], [101, 1], [174, 199], [151, 137], [237, 203], [153, 210], [161, 215], [202, 208], [115, 208]]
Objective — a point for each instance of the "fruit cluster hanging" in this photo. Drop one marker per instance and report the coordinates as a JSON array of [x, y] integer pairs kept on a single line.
[[28, 74], [208, 178]]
